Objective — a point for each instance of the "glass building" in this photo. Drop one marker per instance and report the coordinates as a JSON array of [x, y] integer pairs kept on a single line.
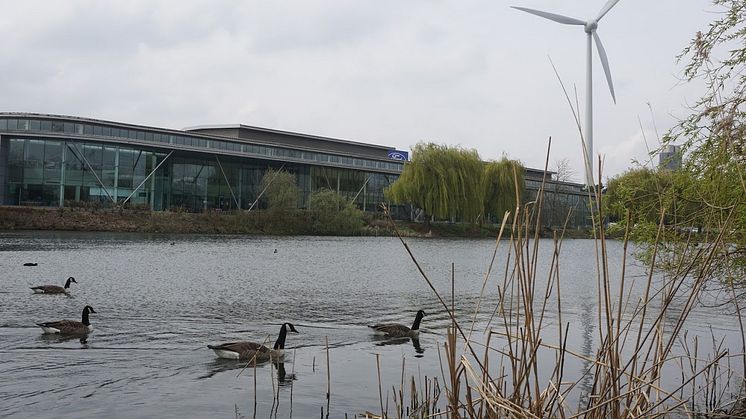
[[57, 161], [49, 160]]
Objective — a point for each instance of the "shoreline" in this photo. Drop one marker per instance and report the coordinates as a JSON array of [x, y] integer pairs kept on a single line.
[[258, 222]]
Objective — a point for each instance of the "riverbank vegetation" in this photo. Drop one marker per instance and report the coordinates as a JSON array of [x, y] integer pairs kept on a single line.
[[452, 183], [642, 362], [704, 201]]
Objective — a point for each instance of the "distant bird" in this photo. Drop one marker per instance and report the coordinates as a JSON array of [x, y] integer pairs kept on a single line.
[[396, 330], [173, 243], [253, 350], [275, 251], [70, 327], [30, 264], [54, 289]]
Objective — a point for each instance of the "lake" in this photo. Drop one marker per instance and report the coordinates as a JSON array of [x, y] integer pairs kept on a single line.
[[161, 299]]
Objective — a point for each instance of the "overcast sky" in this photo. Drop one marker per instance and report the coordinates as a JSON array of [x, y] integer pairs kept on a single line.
[[469, 73]]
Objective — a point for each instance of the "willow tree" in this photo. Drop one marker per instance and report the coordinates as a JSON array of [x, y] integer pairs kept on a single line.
[[503, 184], [445, 182]]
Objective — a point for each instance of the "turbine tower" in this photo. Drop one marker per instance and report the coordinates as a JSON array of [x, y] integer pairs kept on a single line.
[[590, 27]]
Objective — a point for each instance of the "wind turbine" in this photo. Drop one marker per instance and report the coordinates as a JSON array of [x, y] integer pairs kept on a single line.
[[590, 27]]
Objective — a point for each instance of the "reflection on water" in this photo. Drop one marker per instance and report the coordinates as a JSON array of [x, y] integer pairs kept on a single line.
[[160, 304], [384, 341], [50, 338]]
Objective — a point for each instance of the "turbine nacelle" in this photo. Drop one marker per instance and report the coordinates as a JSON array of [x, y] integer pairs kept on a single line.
[[591, 26]]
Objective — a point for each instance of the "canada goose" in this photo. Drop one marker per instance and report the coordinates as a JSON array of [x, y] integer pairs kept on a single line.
[[395, 330], [252, 350], [70, 327], [54, 289], [30, 264]]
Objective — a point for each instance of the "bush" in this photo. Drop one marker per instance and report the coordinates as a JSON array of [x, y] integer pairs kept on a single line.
[[333, 214]]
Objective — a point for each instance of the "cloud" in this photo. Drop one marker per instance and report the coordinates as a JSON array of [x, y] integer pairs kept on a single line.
[[386, 72]]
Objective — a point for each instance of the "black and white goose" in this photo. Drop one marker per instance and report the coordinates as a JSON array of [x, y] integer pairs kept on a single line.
[[396, 330], [54, 289], [70, 327], [253, 350]]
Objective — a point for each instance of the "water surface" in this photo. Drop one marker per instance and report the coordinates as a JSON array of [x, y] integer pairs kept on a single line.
[[159, 304]]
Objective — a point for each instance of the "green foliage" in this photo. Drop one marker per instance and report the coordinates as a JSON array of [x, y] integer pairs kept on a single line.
[[500, 181], [334, 214], [451, 182], [281, 190], [643, 192], [444, 181], [709, 193]]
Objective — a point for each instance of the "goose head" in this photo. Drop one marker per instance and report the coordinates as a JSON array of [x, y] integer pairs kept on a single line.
[[86, 311], [69, 280], [280, 343]]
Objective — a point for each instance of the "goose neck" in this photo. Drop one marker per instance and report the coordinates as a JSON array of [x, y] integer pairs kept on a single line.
[[280, 342]]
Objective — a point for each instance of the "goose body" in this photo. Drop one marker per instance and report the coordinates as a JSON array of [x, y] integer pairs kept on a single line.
[[396, 330], [54, 289], [70, 327], [253, 350]]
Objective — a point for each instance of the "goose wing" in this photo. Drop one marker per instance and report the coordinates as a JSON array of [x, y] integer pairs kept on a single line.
[[49, 289], [241, 348], [392, 329], [65, 326]]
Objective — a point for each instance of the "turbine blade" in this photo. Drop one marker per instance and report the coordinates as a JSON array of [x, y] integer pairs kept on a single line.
[[604, 63], [609, 4], [551, 16]]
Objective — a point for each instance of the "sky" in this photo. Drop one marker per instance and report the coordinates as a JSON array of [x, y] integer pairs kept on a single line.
[[467, 73]]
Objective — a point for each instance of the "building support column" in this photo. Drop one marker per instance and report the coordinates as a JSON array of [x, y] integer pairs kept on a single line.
[[116, 174], [152, 183], [62, 174]]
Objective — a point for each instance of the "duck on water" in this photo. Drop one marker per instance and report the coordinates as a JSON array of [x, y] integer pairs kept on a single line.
[[70, 327], [252, 350], [54, 289]]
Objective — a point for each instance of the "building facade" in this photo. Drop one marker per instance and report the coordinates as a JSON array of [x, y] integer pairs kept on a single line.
[[52, 160]]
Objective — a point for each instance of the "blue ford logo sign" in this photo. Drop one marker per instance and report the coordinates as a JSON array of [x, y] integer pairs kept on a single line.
[[398, 155]]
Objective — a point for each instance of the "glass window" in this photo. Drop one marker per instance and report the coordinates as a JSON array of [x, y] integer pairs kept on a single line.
[[78, 128], [68, 127], [15, 160], [97, 130], [23, 124], [132, 134], [3, 124], [46, 125], [141, 135], [12, 124], [106, 131], [34, 125], [148, 136], [34, 161], [52, 161], [88, 129], [110, 154], [58, 126]]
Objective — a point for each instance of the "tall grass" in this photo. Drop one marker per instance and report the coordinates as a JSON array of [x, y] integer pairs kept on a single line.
[[645, 364]]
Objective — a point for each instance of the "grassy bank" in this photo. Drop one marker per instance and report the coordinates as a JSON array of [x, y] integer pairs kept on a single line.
[[260, 222]]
